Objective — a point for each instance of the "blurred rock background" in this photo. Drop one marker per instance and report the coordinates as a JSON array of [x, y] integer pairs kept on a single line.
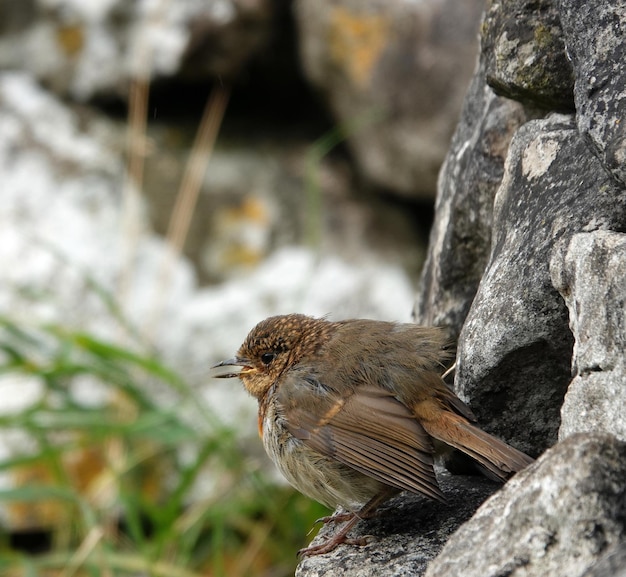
[[338, 121], [317, 196]]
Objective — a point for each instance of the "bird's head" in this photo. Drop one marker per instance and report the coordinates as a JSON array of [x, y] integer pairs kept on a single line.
[[273, 346]]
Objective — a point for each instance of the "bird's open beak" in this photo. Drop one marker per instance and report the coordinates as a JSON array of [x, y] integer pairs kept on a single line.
[[234, 362]]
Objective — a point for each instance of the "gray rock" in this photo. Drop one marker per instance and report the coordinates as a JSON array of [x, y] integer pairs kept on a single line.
[[394, 74], [515, 348], [555, 518], [594, 36], [407, 534], [593, 264], [612, 564], [523, 48], [460, 239]]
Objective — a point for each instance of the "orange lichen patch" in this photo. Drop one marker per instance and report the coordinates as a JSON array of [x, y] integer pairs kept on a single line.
[[242, 256], [254, 209], [242, 234], [251, 208], [71, 38], [357, 42]]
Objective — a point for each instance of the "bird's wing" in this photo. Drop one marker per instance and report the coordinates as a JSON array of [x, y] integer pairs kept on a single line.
[[366, 428]]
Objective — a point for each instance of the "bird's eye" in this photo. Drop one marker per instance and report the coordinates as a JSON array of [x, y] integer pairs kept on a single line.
[[267, 358]]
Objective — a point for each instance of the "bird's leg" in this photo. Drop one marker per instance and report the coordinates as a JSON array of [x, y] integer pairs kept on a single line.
[[351, 520], [336, 518], [346, 516]]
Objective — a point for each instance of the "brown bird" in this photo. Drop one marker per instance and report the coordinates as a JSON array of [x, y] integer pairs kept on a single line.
[[353, 412]]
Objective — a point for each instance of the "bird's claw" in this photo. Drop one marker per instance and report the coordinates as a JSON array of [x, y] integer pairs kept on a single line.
[[332, 543]]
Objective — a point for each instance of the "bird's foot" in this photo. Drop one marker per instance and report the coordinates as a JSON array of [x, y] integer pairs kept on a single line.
[[368, 510], [340, 538]]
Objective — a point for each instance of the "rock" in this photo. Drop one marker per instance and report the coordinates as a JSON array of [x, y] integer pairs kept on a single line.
[[555, 518], [551, 296], [594, 36], [460, 239], [592, 264], [88, 49], [524, 53], [407, 534], [394, 74], [612, 564], [515, 348]]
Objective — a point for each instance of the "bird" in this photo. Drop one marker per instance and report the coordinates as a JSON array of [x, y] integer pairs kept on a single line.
[[353, 412]]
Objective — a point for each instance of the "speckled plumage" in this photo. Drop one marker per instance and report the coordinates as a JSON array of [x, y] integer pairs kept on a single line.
[[352, 412]]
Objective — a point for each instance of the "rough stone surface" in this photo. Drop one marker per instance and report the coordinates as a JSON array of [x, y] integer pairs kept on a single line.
[[523, 49], [395, 73], [592, 264], [594, 35], [546, 288], [407, 534], [460, 239], [515, 348], [555, 518], [612, 564]]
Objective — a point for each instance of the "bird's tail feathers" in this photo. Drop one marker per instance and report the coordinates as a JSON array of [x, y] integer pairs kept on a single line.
[[497, 459]]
